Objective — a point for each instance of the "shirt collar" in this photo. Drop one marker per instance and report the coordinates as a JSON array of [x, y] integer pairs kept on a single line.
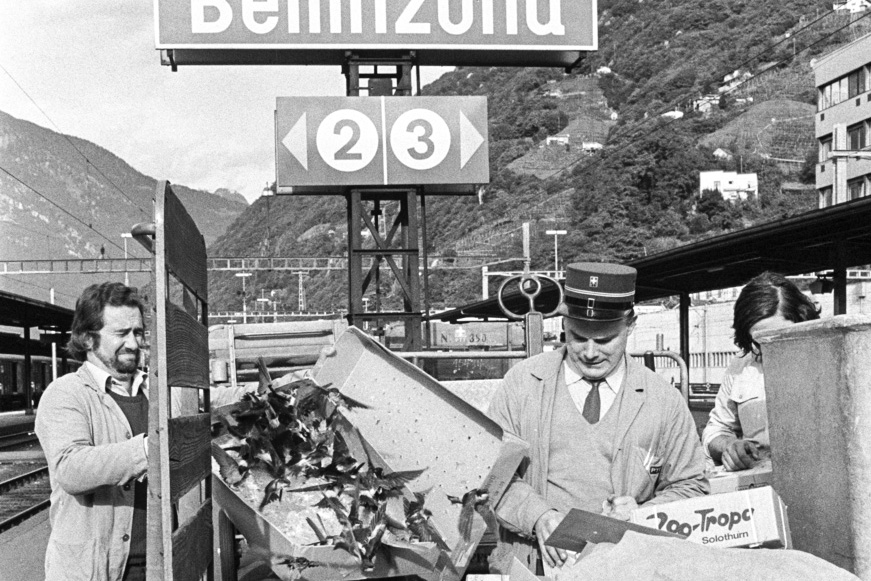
[[613, 381], [101, 376]]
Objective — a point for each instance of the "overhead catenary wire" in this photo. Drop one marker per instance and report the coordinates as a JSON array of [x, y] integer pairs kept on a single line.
[[61, 208], [39, 286], [16, 225], [73, 145]]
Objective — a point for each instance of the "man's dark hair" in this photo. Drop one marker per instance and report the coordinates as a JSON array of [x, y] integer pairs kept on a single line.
[[765, 296], [88, 318]]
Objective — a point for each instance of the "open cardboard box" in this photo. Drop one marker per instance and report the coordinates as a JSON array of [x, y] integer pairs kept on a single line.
[[722, 480], [755, 517], [412, 422]]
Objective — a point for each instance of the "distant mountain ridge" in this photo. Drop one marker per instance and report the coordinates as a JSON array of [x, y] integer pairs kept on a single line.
[[231, 195], [92, 185]]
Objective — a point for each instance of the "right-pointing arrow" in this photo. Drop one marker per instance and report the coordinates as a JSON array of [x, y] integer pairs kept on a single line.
[[470, 140], [296, 142]]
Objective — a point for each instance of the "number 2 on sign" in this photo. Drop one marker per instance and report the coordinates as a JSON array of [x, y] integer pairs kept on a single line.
[[420, 139], [347, 140]]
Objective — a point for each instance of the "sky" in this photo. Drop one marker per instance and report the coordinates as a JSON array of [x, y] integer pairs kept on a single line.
[[89, 69]]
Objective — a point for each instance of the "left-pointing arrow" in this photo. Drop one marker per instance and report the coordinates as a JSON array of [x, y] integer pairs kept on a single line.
[[296, 142], [470, 140]]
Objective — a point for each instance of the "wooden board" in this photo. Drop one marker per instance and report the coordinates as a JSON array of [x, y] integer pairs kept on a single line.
[[192, 545], [188, 342], [179, 462], [185, 248], [189, 453]]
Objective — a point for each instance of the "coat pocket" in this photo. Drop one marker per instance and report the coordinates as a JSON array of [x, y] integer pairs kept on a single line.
[[642, 474], [67, 560]]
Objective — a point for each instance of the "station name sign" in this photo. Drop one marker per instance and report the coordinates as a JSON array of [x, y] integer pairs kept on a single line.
[[494, 25]]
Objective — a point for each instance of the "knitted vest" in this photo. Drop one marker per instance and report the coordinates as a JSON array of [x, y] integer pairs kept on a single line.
[[580, 455], [135, 409]]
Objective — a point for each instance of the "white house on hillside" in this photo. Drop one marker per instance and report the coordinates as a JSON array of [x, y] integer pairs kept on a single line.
[[731, 185], [721, 153], [852, 6], [559, 139]]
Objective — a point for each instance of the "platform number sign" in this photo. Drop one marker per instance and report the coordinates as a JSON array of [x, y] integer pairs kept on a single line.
[[360, 141]]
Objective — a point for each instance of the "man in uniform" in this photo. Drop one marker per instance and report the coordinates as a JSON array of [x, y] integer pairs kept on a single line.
[[606, 434], [92, 425]]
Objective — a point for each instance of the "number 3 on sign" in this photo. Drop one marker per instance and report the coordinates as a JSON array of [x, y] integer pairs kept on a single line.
[[347, 140], [420, 139]]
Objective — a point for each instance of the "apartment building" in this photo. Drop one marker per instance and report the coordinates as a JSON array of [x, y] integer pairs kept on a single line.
[[843, 123]]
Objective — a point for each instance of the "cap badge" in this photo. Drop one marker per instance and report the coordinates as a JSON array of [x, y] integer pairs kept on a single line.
[[594, 282]]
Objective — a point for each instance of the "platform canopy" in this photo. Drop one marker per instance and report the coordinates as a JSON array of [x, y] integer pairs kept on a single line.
[[820, 241], [18, 311]]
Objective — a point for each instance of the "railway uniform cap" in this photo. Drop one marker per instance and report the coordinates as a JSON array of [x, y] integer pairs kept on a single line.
[[596, 291]]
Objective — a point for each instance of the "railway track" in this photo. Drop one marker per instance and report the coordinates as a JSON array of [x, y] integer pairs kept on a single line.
[[20, 439], [23, 496]]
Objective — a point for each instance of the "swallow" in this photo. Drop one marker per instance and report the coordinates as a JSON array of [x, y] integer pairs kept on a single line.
[[475, 500]]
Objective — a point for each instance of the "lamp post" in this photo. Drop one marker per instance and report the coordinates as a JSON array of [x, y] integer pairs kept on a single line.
[[556, 234], [264, 302], [273, 294], [125, 236], [243, 276], [264, 305]]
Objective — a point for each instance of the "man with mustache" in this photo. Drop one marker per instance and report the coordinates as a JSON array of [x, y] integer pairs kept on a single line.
[[606, 434], [92, 426]]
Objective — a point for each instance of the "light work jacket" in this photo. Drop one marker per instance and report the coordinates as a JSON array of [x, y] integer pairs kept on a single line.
[[92, 463], [657, 455]]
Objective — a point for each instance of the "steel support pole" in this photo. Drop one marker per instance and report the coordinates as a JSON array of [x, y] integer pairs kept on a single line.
[[685, 329], [28, 366], [399, 238], [839, 279]]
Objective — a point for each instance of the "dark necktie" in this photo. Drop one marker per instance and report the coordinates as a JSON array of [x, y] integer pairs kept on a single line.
[[593, 403]]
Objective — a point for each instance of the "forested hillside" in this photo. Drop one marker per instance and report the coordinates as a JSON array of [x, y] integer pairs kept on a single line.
[[637, 195]]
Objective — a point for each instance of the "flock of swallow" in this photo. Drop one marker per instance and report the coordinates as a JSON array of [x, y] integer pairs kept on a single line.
[[291, 432]]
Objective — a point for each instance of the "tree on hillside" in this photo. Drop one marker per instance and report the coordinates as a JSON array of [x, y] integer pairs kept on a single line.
[[722, 214]]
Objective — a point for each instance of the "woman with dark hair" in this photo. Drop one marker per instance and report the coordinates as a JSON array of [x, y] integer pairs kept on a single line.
[[737, 429]]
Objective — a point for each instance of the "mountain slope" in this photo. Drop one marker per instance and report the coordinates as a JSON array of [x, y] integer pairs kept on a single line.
[[639, 194], [96, 196], [636, 196]]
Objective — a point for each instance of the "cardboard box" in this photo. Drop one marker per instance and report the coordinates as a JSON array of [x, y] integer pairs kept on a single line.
[[723, 481], [518, 572], [411, 422], [755, 517]]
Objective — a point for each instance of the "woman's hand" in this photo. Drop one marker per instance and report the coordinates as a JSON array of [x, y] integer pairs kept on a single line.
[[739, 455]]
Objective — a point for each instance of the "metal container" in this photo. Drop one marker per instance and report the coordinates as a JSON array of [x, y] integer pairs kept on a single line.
[[818, 390], [412, 422]]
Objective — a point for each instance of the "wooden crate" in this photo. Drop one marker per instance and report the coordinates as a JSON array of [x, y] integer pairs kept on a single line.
[[412, 422], [179, 459], [285, 347]]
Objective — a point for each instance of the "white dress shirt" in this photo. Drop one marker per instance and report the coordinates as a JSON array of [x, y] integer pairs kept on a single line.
[[609, 388], [138, 381], [101, 376]]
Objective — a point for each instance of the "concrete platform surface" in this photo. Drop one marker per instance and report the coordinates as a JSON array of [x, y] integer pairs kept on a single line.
[[22, 550]]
